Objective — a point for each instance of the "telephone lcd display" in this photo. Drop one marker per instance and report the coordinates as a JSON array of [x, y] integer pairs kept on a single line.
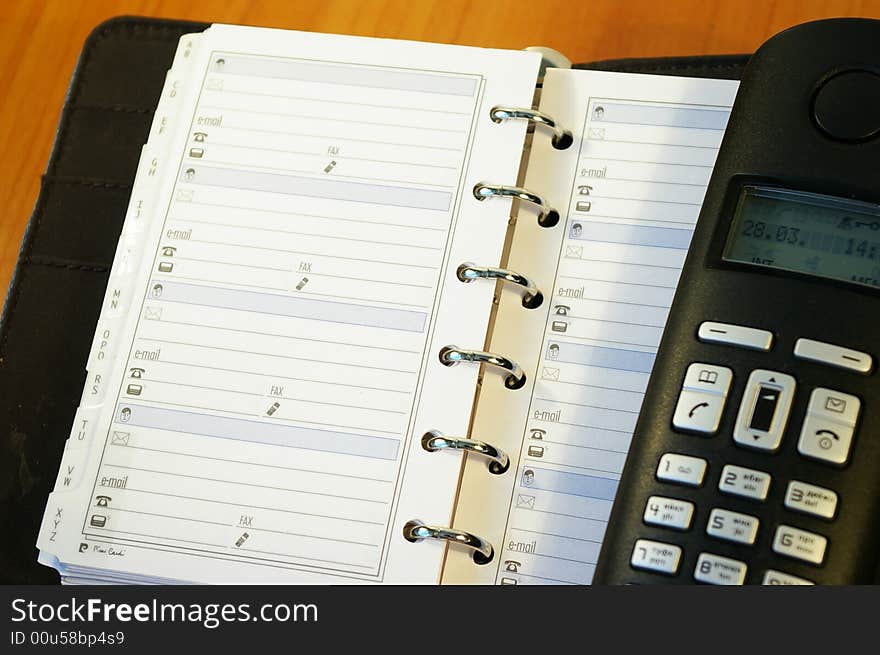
[[808, 233]]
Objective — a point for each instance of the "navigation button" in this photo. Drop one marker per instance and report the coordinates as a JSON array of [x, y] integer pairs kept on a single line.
[[764, 411]]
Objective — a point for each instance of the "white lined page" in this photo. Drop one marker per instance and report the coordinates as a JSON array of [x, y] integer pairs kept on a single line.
[[281, 353], [631, 186]]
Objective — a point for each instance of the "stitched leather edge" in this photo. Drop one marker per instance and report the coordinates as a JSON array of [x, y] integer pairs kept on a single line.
[[167, 30]]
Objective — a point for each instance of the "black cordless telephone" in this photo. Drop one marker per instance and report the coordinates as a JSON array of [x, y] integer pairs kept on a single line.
[[756, 457]]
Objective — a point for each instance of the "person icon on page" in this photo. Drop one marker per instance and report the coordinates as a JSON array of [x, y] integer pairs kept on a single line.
[[576, 230], [553, 351], [189, 174], [528, 478], [125, 415], [599, 113]]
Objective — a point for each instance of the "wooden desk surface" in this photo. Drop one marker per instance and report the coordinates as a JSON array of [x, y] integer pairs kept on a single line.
[[40, 42]]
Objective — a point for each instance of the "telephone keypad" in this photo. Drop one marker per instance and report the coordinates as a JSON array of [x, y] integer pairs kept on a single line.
[[715, 569], [745, 482], [810, 499], [732, 526], [800, 544], [669, 512], [682, 469], [656, 556], [772, 577], [762, 417]]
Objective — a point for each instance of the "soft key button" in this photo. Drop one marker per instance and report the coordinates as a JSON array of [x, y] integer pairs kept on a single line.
[[827, 353], [701, 401], [735, 335], [764, 411]]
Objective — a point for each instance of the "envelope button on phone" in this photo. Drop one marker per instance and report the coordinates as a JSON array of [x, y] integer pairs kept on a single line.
[[834, 405]]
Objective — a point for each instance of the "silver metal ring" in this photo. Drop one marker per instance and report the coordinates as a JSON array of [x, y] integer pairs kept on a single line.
[[451, 355], [499, 462], [548, 217], [417, 531], [562, 138], [532, 296]]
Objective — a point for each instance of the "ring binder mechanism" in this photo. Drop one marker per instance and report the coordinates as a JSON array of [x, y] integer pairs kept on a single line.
[[416, 531], [452, 355], [532, 296], [499, 462], [548, 217], [562, 138]]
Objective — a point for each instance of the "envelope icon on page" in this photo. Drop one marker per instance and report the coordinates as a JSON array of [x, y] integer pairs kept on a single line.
[[153, 313], [597, 132], [551, 374], [119, 438], [575, 252], [524, 501]]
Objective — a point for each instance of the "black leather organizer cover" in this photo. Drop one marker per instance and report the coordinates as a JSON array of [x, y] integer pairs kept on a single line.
[[55, 298]]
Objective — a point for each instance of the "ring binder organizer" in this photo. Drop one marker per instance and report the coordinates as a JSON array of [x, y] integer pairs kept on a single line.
[[452, 355], [416, 531], [562, 138], [548, 217], [532, 296], [499, 462]]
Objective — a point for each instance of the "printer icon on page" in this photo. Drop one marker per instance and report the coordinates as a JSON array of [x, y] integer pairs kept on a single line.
[[551, 374]]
